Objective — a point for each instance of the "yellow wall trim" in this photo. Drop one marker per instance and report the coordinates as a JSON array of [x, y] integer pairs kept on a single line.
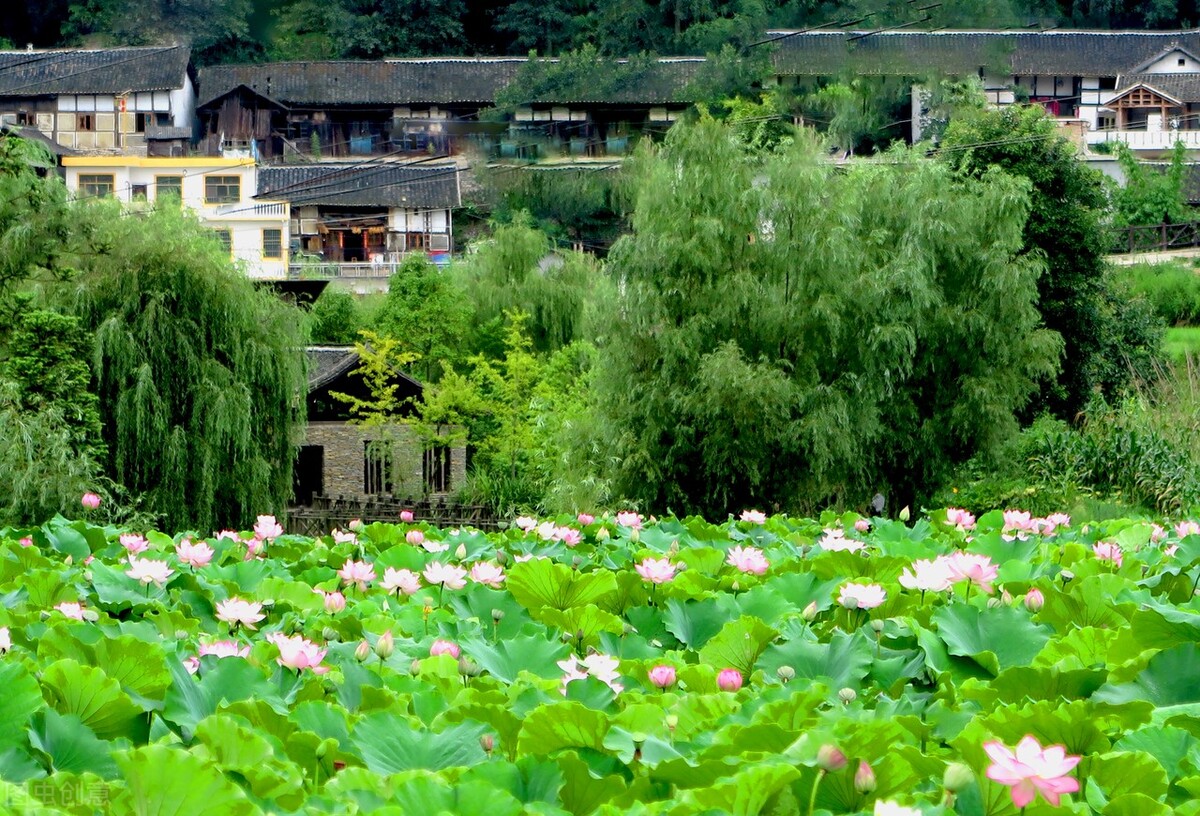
[[157, 162]]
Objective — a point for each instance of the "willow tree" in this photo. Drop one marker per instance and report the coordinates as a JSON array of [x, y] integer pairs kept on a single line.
[[201, 376], [792, 334]]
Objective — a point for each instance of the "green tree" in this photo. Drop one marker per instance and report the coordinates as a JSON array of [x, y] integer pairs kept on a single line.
[[1150, 196], [427, 314], [35, 227], [545, 26], [790, 335], [1066, 228], [200, 375], [335, 318]]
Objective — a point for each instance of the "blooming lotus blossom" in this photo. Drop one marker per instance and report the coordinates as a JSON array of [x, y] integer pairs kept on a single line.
[[444, 647], [71, 609], [90, 501], [630, 519], [357, 573], [748, 559], [656, 570], [1169, 551], [526, 523], [977, 569], [835, 540], [223, 649], [1108, 551], [194, 554], [568, 535], [600, 666], [343, 537], [406, 516], [585, 519], [448, 575], [547, 531], [927, 576], [861, 596], [662, 676], [1031, 769], [729, 680], [5, 640], [488, 574], [298, 653], [1050, 524], [957, 517], [148, 571], [267, 528], [754, 516], [889, 808], [134, 543], [1019, 521], [432, 545], [228, 534], [1186, 528], [400, 581], [1157, 533], [238, 612]]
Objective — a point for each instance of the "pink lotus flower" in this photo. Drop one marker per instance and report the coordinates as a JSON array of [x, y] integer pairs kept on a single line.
[[71, 609], [1034, 600], [748, 559], [656, 570], [754, 516], [228, 534], [298, 653], [630, 519], [134, 543], [223, 649], [148, 571], [526, 523], [26, 541], [90, 501], [401, 581], [547, 530], [237, 612], [488, 574], [357, 573], [585, 519], [600, 666], [729, 680], [444, 647], [448, 575], [1169, 551], [662, 676], [1186, 528], [926, 576], [1157, 533], [1017, 521], [862, 525], [334, 601], [1108, 551], [267, 528], [957, 517], [406, 516], [861, 596], [5, 640], [978, 569], [1050, 524], [1032, 769], [343, 537], [835, 540], [414, 537], [194, 554], [569, 536]]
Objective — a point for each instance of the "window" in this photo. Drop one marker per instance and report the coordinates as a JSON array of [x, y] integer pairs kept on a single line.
[[272, 243], [85, 122], [1182, 62], [168, 187], [435, 469], [377, 469], [140, 121], [138, 192], [96, 185], [226, 239], [222, 189]]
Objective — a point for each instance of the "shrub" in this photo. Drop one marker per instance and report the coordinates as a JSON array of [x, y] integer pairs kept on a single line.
[[1172, 289]]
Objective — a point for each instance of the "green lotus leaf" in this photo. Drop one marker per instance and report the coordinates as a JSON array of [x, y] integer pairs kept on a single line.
[[1119, 773], [1168, 745], [541, 582], [1026, 682], [97, 699], [166, 780], [1136, 804], [582, 791], [189, 699], [746, 792], [694, 623], [843, 661], [583, 624], [529, 780], [1082, 648], [116, 590], [20, 700], [556, 726], [67, 537], [738, 645], [237, 748], [388, 744], [1168, 680], [69, 745], [996, 638]]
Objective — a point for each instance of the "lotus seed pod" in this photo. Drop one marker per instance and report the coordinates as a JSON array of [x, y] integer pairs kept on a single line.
[[497, 615], [785, 673], [877, 626], [1067, 576], [847, 695], [329, 633]]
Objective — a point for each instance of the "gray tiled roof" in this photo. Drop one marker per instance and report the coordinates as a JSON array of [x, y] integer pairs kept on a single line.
[[1020, 53], [99, 71], [365, 184], [1184, 87], [443, 81], [327, 363]]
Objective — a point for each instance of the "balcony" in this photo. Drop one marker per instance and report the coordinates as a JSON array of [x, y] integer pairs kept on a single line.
[[247, 211], [1163, 140]]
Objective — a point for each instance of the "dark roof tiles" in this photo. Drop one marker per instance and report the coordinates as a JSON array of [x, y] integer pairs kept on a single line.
[[98, 71], [368, 184]]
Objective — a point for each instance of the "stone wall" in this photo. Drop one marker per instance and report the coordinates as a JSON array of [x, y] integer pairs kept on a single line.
[[344, 457]]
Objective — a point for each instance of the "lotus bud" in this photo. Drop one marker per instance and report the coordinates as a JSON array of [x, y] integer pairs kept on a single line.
[[785, 673], [501, 557], [460, 552], [905, 514], [736, 587], [877, 626], [847, 695], [994, 603], [603, 534], [497, 615], [45, 614], [355, 525], [864, 778], [329, 633], [729, 680], [181, 634], [468, 667], [385, 645], [957, 777], [566, 638], [672, 722], [362, 651], [406, 516], [1006, 598], [322, 750], [635, 535], [488, 743], [810, 612], [830, 759], [1034, 600], [91, 615], [662, 676], [576, 562]]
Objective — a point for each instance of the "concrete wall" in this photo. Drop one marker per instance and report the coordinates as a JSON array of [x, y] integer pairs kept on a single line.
[[344, 447]]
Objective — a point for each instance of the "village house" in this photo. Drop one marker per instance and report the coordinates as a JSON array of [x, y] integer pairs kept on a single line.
[[1141, 88], [111, 99]]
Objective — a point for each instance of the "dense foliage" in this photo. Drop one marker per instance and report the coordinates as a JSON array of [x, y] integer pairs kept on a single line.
[[764, 666]]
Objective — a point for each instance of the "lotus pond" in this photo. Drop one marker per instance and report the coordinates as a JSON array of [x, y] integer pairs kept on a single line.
[[608, 665]]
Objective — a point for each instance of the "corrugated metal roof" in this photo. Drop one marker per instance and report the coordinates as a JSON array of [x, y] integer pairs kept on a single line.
[[99, 71], [366, 184]]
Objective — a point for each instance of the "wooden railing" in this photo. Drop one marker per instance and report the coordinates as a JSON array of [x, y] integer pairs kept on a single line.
[[327, 513], [1157, 237]]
